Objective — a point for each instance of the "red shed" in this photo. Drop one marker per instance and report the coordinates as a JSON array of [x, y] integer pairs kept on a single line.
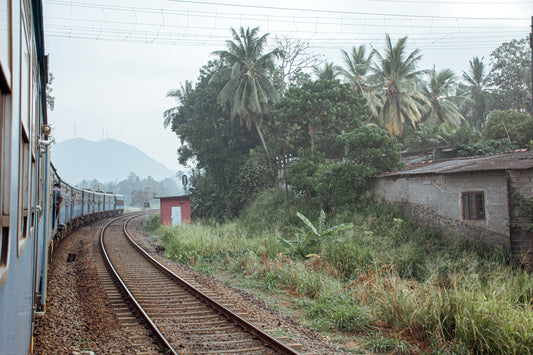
[[175, 210]]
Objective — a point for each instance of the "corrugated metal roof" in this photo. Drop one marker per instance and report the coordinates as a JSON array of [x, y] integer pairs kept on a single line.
[[517, 160]]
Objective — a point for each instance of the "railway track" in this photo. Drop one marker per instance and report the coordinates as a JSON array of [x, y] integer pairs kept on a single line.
[[185, 319]]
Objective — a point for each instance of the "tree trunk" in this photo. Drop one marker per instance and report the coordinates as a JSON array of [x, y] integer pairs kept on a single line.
[[258, 129]]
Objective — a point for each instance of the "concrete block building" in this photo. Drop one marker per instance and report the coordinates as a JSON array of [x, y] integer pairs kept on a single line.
[[475, 196]]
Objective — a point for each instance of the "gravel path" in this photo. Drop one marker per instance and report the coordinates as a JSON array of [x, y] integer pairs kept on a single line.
[[78, 317]]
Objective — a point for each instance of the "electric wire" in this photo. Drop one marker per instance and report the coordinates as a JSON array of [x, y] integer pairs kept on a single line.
[[171, 26]]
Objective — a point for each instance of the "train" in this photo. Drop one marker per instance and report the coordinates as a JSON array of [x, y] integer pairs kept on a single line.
[[30, 224]]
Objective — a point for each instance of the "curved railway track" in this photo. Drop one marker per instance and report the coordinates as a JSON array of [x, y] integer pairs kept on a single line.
[[185, 319]]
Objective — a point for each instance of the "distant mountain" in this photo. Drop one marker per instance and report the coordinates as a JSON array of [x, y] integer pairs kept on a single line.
[[106, 160]]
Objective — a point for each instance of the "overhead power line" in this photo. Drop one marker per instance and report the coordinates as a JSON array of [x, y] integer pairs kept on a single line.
[[284, 9], [380, 14], [209, 28]]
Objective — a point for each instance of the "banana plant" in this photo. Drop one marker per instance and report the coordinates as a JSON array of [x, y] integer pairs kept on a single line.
[[313, 239]]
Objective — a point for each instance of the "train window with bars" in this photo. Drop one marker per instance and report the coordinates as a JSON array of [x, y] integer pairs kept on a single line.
[[473, 205]]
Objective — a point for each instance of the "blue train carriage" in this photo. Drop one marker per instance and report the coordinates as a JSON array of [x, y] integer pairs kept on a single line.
[[70, 211], [88, 203], [24, 174], [98, 204], [119, 204], [109, 209]]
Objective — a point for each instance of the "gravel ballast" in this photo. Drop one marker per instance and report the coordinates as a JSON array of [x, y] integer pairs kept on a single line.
[[79, 317]]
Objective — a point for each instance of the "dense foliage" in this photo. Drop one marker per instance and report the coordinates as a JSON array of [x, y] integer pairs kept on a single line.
[[371, 146], [514, 126], [511, 76], [318, 112], [216, 144], [310, 156], [319, 137]]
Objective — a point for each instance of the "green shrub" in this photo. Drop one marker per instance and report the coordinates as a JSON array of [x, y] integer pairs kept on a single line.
[[152, 223], [373, 148], [486, 147], [509, 124], [342, 185], [269, 212], [313, 238]]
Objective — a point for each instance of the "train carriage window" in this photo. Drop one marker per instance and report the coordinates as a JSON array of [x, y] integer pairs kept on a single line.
[[25, 156], [5, 181], [24, 189], [5, 37], [25, 79], [34, 186]]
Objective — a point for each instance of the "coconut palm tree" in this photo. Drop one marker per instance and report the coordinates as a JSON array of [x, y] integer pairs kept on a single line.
[[357, 67], [329, 72], [396, 98], [180, 95], [477, 88], [439, 89], [248, 92]]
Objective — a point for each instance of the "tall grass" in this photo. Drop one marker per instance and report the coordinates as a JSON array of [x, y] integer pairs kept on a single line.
[[213, 242], [385, 273]]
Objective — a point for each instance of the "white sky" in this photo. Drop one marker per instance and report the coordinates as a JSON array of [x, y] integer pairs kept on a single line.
[[115, 61]]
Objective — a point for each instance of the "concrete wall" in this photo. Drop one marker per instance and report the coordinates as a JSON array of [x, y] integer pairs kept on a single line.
[[436, 200], [521, 182]]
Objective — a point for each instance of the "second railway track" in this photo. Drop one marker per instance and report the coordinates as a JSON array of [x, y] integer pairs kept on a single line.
[[186, 319]]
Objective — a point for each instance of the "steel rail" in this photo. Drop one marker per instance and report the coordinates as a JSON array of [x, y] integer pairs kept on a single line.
[[243, 323], [145, 315]]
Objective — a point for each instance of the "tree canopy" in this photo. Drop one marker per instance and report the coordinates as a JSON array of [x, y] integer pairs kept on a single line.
[[248, 90], [477, 88], [512, 125], [511, 76], [395, 86], [329, 135], [321, 110]]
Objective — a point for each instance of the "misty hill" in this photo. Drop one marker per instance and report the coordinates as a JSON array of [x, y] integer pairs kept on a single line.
[[106, 160]]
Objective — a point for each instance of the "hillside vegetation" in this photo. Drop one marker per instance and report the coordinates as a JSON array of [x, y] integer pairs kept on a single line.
[[283, 154], [385, 282]]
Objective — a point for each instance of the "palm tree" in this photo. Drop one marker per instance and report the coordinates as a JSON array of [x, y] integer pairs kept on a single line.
[[358, 66], [248, 91], [439, 89], [396, 98], [328, 72], [477, 88], [180, 95]]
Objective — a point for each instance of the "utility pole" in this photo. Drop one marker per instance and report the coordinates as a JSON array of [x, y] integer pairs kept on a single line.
[[531, 46]]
